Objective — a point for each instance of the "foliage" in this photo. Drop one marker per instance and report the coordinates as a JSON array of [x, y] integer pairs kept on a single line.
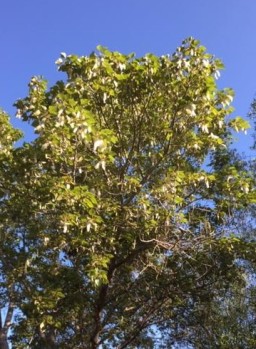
[[226, 319], [112, 219]]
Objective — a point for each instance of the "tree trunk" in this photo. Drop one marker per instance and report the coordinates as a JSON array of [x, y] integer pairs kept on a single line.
[[4, 327], [3, 334], [3, 340]]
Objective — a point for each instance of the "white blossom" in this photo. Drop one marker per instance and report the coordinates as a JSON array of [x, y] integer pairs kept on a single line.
[[99, 143]]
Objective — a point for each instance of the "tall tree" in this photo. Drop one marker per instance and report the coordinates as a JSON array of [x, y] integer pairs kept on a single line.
[[112, 218]]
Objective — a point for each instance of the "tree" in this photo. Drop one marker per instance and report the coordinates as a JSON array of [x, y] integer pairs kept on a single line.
[[112, 218]]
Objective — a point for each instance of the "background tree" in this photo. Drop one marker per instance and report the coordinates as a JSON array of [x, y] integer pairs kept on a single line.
[[114, 215]]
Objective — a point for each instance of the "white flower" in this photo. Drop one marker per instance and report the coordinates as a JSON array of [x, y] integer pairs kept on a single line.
[[206, 63], [88, 227], [59, 113], [191, 110], [46, 240], [98, 144], [204, 128], [122, 66], [220, 123], [101, 164], [59, 61], [245, 188], [196, 146], [186, 64], [18, 114], [217, 75], [37, 113], [213, 136]]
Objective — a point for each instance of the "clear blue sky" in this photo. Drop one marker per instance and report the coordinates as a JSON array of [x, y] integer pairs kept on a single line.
[[34, 32]]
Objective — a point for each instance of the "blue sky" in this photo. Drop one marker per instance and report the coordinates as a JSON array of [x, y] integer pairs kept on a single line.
[[34, 32]]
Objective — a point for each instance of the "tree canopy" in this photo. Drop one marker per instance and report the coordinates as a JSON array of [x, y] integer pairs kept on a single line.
[[114, 221]]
